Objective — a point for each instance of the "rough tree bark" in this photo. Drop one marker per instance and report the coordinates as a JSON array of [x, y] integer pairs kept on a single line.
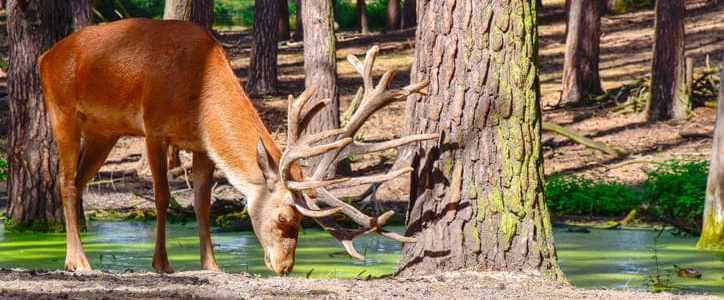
[[320, 63], [712, 231], [299, 30], [82, 13], [362, 16], [263, 65], [202, 13], [33, 191], [409, 14], [580, 66], [668, 84], [177, 10], [283, 29], [476, 195], [393, 15]]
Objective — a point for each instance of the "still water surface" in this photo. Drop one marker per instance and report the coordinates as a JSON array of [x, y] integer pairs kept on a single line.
[[602, 258]]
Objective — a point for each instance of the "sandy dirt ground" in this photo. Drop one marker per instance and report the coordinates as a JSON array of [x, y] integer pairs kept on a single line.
[[204, 285]]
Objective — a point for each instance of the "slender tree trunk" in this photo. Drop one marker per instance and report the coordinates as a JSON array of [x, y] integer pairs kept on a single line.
[[580, 66], [362, 16], [33, 190], [263, 65], [712, 231], [409, 14], [299, 30], [202, 13], [477, 197], [668, 84], [177, 10], [393, 15], [82, 13], [283, 29], [320, 63]]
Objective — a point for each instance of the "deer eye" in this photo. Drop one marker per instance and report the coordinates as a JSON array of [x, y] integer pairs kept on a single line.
[[282, 219]]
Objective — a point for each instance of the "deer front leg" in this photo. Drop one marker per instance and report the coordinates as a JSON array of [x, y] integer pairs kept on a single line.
[[156, 149], [203, 169]]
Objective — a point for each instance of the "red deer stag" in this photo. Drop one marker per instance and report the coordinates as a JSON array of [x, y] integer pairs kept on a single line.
[[171, 82]]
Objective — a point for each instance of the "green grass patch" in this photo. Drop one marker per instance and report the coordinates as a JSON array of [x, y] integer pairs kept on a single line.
[[572, 195]]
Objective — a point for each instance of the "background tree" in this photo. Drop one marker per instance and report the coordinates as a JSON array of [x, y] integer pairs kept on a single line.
[[283, 30], [409, 15], [476, 196], [712, 231], [393, 15], [263, 65], [177, 10], [668, 83], [362, 16], [33, 193], [82, 13], [202, 13], [299, 30], [580, 66]]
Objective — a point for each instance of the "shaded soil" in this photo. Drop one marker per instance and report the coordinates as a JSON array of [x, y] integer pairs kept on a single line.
[[19, 284]]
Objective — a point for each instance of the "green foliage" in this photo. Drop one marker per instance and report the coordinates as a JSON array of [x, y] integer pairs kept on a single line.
[[346, 15], [571, 195], [676, 189], [13, 225], [3, 167]]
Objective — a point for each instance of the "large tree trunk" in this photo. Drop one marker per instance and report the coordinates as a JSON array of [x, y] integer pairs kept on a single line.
[[362, 16], [580, 65], [476, 196], [393, 15], [283, 29], [712, 231], [263, 65], [668, 83], [409, 14], [320, 63], [299, 30], [82, 13], [33, 190]]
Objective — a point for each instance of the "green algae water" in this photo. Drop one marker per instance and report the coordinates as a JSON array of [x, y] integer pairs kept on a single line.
[[601, 259]]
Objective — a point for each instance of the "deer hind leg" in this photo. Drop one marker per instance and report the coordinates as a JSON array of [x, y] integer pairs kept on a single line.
[[67, 136], [203, 169], [93, 152], [157, 149]]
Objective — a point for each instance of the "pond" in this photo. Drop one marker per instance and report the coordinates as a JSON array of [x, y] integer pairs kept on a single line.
[[601, 258]]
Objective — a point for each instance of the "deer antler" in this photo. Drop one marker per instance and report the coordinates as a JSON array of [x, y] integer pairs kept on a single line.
[[301, 146]]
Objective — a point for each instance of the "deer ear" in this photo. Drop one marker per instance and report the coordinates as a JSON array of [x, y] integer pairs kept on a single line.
[[265, 163]]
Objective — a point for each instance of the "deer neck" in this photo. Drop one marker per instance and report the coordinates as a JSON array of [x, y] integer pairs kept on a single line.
[[230, 128]]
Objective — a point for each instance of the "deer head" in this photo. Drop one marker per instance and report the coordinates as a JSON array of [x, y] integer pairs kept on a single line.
[[291, 195]]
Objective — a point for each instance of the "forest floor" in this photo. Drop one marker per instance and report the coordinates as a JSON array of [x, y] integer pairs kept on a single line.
[[206, 285], [625, 57]]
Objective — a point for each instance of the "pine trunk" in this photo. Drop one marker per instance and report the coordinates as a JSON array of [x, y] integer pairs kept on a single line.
[[712, 231], [202, 13], [668, 84], [320, 63], [477, 196], [362, 16], [263, 65], [581, 79], [177, 10], [33, 190], [409, 14], [283, 29], [393, 15], [82, 13]]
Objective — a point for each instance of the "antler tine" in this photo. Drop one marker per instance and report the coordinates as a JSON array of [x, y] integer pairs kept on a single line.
[[364, 148], [295, 107], [357, 181], [309, 114]]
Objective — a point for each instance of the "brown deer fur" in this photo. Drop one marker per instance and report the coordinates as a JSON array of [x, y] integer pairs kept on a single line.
[[171, 82]]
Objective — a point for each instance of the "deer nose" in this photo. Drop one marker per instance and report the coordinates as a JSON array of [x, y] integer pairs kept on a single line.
[[285, 269]]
